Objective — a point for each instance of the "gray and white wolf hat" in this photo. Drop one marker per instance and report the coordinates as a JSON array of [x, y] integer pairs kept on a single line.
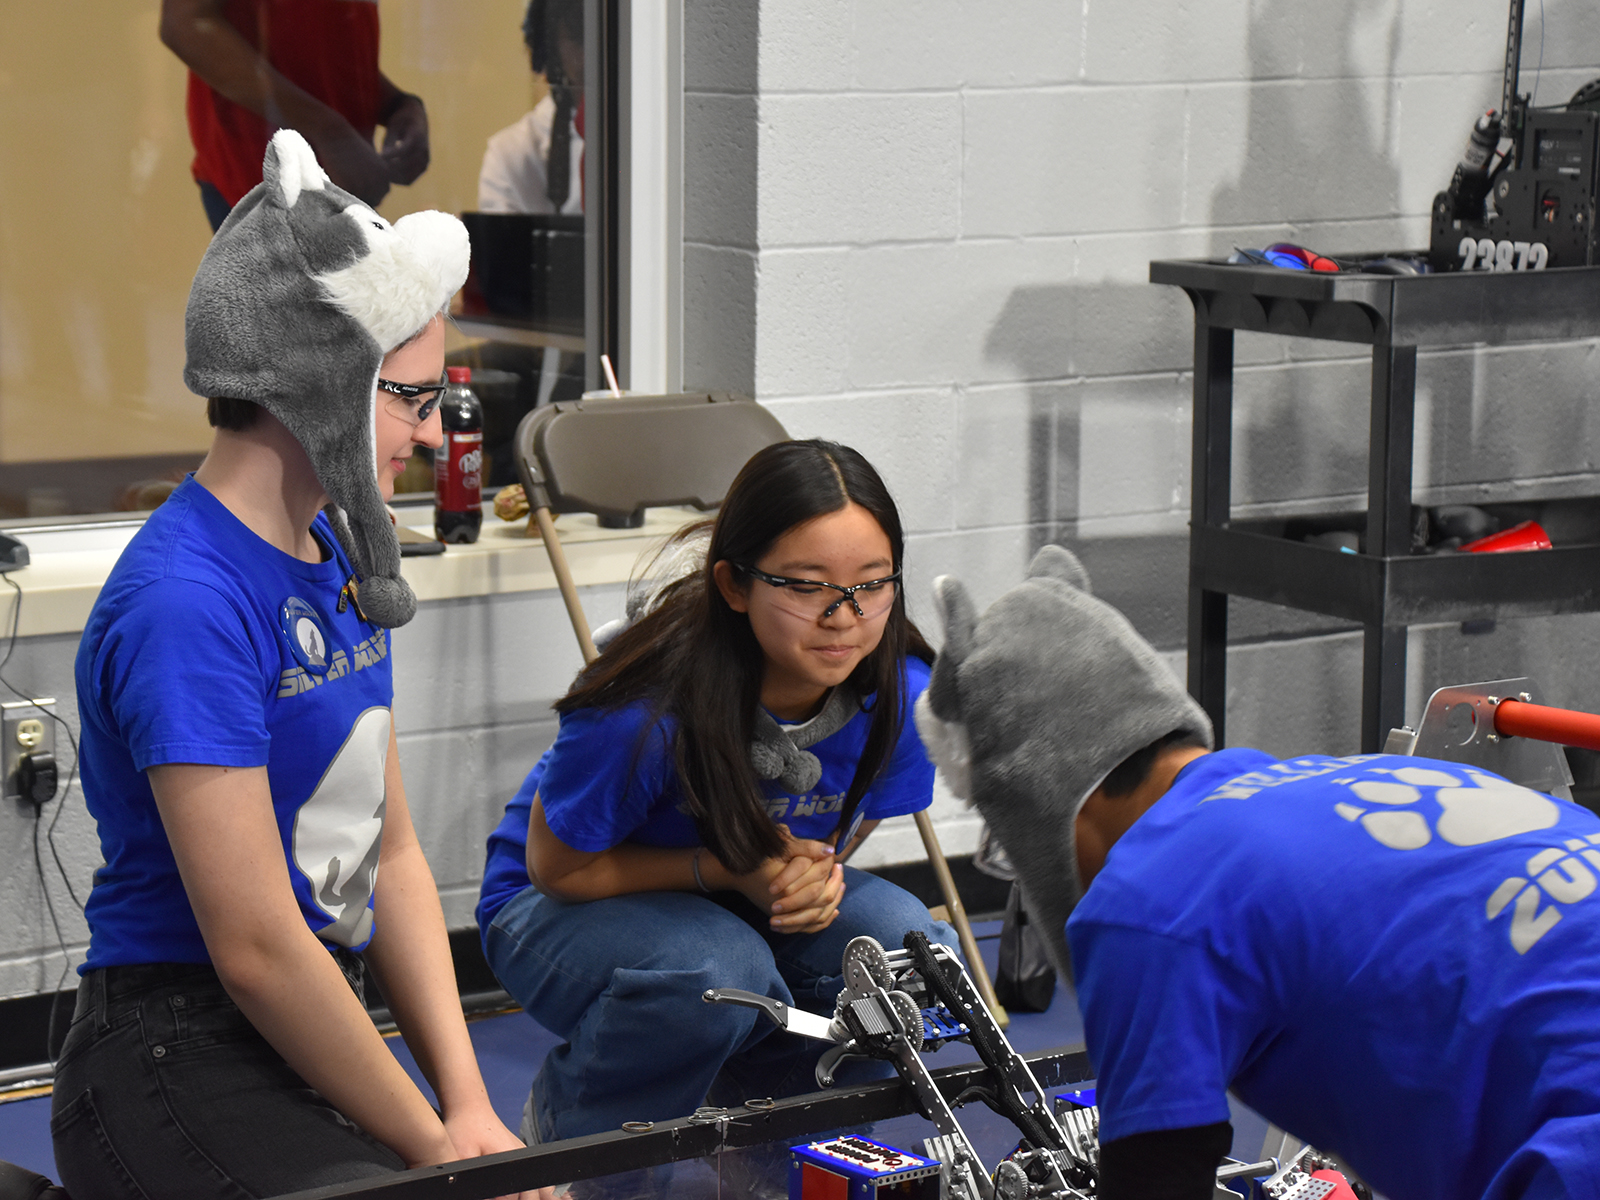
[[1031, 706], [300, 295]]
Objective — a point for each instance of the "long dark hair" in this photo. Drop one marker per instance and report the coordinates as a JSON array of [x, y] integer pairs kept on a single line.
[[696, 660]]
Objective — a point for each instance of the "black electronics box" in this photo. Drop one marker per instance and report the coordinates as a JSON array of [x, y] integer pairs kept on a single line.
[[1532, 204], [526, 267], [1547, 199]]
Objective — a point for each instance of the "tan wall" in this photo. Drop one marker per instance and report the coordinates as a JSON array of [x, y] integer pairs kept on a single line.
[[100, 221]]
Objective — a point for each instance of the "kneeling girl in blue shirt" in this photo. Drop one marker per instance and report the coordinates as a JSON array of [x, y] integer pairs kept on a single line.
[[684, 830]]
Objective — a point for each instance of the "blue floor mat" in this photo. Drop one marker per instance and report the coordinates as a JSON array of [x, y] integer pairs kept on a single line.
[[511, 1046], [25, 1135]]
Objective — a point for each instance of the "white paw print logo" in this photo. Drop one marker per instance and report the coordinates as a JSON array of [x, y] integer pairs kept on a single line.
[[1482, 809]]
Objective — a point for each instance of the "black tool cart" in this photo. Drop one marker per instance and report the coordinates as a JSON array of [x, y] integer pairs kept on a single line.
[[1385, 586]]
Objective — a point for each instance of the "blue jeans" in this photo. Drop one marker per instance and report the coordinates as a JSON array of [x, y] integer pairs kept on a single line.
[[620, 981], [165, 1091]]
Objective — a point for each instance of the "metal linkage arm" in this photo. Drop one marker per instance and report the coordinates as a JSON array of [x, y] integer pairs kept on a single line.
[[968, 1177], [784, 1016], [953, 987]]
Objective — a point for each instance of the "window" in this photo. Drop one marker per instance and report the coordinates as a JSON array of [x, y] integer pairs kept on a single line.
[[102, 225]]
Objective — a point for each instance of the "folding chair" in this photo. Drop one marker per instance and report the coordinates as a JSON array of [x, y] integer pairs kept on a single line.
[[617, 456]]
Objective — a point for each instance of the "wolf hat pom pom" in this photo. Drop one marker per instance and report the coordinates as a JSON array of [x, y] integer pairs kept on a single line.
[[302, 292], [1031, 706]]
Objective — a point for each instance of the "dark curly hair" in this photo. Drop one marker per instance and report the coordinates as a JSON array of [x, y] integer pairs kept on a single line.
[[542, 25]]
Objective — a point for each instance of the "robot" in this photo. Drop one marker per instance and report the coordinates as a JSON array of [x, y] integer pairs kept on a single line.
[[898, 1005]]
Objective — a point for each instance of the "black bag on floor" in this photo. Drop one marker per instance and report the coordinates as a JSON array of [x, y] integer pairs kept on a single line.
[[1026, 981]]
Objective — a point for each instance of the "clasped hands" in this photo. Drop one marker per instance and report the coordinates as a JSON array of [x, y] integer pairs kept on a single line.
[[800, 888]]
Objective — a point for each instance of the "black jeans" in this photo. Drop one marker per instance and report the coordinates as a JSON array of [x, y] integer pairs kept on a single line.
[[164, 1090]]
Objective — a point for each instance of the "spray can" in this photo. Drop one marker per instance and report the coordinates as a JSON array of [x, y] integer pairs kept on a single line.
[[458, 464], [1471, 182]]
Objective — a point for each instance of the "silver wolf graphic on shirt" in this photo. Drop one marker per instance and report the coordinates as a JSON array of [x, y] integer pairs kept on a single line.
[[339, 830]]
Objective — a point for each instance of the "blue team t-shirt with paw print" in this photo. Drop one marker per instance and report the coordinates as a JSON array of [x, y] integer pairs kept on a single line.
[[1395, 959]]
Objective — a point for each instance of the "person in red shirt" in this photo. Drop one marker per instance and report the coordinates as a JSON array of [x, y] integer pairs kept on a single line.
[[257, 66]]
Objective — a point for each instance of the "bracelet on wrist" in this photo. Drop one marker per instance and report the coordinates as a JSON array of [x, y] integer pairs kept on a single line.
[[694, 863]]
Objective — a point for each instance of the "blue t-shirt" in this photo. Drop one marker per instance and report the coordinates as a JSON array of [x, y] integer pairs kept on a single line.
[[208, 645], [1395, 959], [609, 779]]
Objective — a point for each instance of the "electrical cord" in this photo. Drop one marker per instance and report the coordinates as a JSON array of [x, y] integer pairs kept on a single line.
[[51, 1045], [72, 740]]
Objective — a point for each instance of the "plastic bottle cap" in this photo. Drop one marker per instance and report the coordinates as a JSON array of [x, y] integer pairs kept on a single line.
[[458, 374]]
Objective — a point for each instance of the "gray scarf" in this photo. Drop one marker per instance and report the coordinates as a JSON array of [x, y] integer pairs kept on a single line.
[[781, 754]]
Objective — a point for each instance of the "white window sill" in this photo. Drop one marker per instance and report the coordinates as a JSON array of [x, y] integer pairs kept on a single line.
[[69, 564]]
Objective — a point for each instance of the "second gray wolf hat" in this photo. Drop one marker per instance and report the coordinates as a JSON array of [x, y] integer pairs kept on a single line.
[[1031, 706]]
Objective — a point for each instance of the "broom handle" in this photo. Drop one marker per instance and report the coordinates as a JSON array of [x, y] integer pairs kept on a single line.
[[569, 590], [958, 917]]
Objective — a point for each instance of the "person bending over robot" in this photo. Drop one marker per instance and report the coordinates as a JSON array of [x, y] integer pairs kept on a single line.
[[238, 749], [1395, 959], [681, 832]]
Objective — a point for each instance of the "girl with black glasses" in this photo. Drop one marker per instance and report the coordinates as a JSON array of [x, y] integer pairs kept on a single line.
[[727, 749]]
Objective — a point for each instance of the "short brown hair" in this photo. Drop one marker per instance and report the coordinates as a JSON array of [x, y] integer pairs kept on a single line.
[[224, 412]]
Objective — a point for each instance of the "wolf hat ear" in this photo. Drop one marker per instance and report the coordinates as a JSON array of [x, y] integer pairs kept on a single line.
[[940, 721], [291, 165], [1057, 562], [301, 293], [1052, 688]]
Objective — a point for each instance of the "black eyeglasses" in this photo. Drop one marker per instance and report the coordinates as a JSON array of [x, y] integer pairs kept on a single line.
[[416, 400], [810, 598]]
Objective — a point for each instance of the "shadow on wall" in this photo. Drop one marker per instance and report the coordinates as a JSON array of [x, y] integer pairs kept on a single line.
[[1320, 151], [1316, 149], [1065, 340], [1107, 429]]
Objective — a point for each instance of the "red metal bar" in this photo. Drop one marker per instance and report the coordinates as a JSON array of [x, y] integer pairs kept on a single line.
[[1515, 718]]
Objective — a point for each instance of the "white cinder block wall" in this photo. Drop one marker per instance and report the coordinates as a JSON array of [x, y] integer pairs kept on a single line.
[[474, 680], [940, 219]]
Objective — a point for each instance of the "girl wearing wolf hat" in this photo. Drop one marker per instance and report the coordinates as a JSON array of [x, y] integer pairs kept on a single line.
[[681, 832], [238, 747]]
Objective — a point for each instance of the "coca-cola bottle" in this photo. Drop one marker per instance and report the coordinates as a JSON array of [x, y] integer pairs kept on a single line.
[[458, 464]]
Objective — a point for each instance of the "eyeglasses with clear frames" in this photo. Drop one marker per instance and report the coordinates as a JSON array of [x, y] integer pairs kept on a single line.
[[814, 598], [413, 402]]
